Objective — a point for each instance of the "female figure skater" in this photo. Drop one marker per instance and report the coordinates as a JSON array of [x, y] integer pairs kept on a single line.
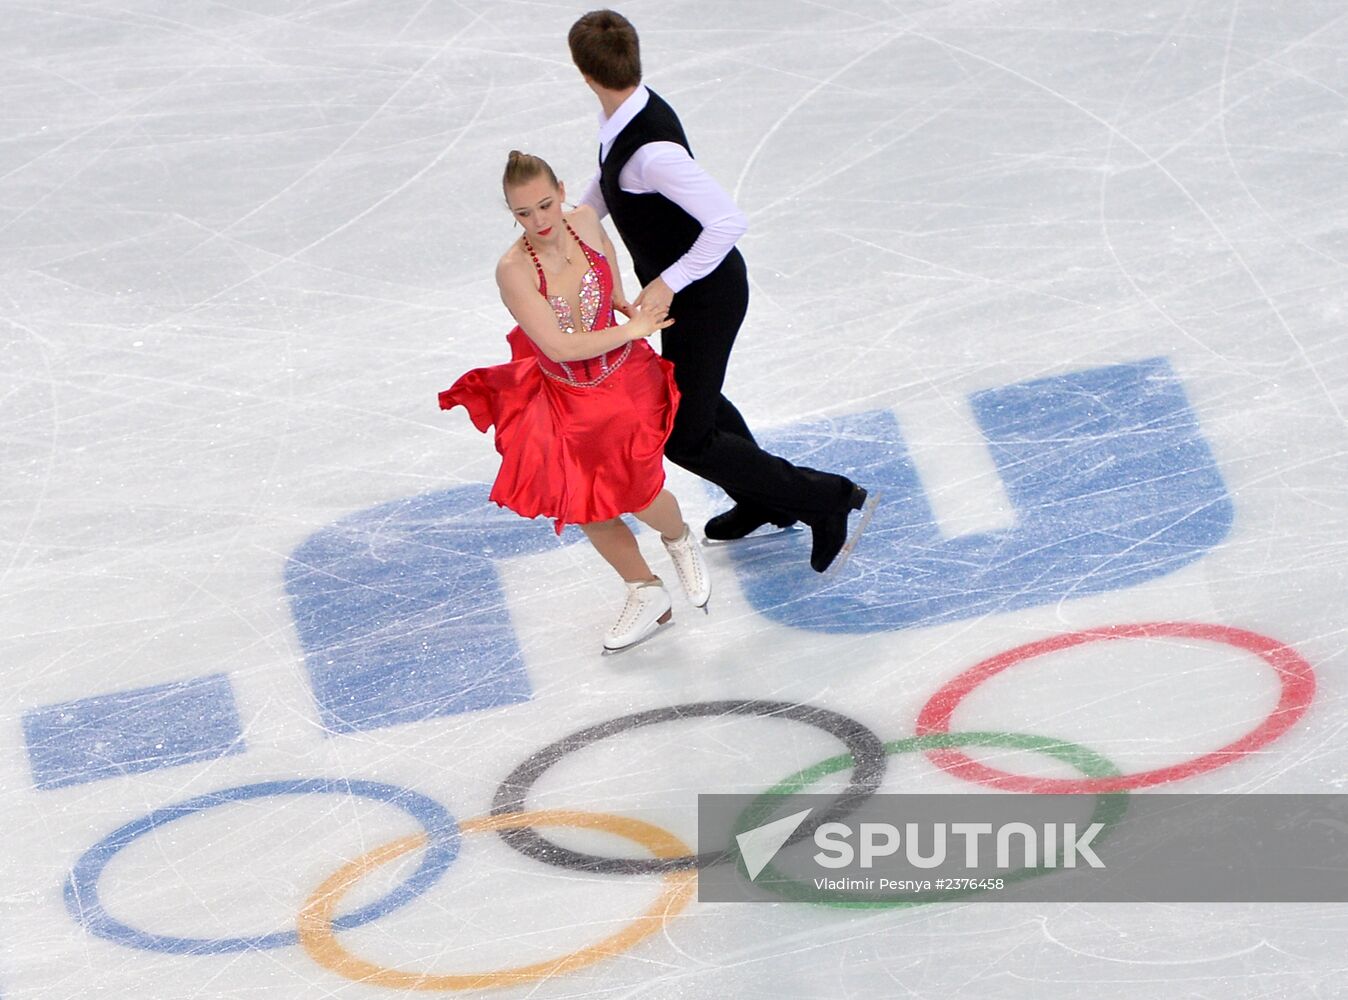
[[584, 407]]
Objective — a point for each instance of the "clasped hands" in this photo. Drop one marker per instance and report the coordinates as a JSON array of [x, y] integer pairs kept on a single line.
[[653, 304], [655, 297]]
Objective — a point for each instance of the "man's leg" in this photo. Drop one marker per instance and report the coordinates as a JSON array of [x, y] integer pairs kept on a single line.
[[710, 437], [745, 516], [728, 419]]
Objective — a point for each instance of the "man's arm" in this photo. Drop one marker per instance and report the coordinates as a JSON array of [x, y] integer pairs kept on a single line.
[[594, 197], [667, 169]]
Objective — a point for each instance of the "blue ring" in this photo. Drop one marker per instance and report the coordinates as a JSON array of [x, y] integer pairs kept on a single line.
[[81, 887]]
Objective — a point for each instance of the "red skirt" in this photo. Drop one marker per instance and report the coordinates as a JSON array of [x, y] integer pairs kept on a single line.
[[574, 453]]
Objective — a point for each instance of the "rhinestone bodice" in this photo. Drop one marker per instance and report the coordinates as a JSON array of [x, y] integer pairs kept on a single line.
[[596, 313], [591, 298]]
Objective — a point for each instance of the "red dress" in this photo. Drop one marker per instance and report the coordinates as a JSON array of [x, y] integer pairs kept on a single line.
[[580, 441]]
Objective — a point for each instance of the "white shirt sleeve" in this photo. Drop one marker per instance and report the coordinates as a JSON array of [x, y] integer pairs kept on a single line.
[[666, 168], [594, 197]]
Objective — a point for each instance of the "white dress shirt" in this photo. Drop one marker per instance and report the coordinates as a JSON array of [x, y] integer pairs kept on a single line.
[[666, 168]]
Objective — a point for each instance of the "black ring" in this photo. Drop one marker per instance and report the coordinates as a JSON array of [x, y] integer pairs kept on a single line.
[[866, 748]]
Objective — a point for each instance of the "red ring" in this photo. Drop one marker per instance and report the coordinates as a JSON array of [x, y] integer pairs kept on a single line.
[[1294, 673]]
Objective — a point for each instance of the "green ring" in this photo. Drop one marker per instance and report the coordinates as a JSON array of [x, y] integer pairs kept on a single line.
[[1109, 809]]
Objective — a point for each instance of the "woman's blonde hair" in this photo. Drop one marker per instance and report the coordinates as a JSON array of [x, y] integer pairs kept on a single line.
[[521, 168]]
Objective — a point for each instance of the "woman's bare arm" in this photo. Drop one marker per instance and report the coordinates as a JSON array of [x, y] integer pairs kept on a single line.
[[515, 280]]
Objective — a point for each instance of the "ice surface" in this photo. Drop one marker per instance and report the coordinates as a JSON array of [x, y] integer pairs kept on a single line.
[[1066, 282]]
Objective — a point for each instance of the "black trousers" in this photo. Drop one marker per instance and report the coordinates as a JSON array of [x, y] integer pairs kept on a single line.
[[710, 437]]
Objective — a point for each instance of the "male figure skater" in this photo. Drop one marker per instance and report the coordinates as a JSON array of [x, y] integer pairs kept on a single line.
[[680, 227]]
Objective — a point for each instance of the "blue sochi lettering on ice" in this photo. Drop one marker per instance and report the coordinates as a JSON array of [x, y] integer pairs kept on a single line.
[[1108, 472], [402, 613], [403, 616]]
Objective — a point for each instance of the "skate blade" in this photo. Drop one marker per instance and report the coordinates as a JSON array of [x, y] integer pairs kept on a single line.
[[645, 638], [757, 535], [845, 553]]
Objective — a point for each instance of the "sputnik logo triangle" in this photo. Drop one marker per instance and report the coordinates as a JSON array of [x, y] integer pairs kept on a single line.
[[761, 844]]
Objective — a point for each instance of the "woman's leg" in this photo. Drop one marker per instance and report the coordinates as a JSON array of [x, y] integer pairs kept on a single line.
[[615, 542], [664, 516], [647, 604]]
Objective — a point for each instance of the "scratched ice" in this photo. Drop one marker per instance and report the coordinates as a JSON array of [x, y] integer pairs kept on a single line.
[[1066, 283]]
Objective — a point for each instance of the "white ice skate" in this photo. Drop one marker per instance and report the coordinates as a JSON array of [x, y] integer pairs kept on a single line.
[[647, 611], [692, 571]]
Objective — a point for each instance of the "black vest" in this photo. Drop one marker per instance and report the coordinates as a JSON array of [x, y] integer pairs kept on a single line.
[[656, 231]]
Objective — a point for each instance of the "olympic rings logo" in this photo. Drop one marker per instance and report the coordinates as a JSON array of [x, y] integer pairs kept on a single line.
[[864, 758]]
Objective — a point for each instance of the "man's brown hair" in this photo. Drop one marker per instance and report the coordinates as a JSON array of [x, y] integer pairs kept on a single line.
[[604, 47]]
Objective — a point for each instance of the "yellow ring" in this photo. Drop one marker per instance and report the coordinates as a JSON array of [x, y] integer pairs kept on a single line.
[[318, 939]]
